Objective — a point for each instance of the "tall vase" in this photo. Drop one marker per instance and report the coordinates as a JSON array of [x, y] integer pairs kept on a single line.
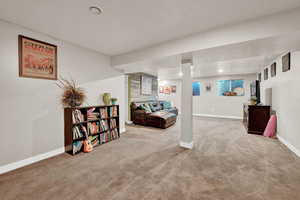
[[106, 98]]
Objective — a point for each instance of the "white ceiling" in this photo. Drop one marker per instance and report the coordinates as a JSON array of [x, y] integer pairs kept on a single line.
[[242, 58], [127, 25]]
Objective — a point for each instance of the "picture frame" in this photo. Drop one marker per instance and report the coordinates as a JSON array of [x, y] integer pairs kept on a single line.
[[161, 89], [146, 85], [286, 62], [266, 73], [259, 77], [273, 69], [173, 89], [167, 90], [37, 59], [208, 87]]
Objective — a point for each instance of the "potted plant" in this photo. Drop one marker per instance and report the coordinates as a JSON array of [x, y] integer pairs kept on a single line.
[[113, 101], [73, 95]]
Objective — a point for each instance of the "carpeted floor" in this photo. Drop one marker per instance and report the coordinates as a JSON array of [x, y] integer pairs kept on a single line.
[[147, 164]]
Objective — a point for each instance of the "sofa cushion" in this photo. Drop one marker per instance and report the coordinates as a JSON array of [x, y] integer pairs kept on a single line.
[[167, 105], [155, 107], [172, 110], [146, 108]]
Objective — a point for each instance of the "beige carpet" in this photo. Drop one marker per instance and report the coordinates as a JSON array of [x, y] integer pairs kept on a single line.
[[146, 164]]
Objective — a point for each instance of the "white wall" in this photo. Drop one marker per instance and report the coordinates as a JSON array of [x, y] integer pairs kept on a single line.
[[31, 117], [285, 88], [209, 103], [174, 98], [115, 86]]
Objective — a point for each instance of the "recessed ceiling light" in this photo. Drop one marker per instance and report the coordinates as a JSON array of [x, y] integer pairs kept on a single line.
[[180, 74], [220, 70], [96, 10]]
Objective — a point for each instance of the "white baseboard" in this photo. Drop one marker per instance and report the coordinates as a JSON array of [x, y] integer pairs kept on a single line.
[[289, 145], [31, 160], [217, 116], [186, 145], [122, 130]]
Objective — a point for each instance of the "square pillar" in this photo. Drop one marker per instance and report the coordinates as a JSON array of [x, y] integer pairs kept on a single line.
[[186, 138]]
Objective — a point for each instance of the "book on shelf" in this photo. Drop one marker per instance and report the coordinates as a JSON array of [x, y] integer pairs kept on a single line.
[[94, 127], [104, 137], [113, 123], [103, 113], [114, 134], [77, 145], [91, 115], [79, 131], [77, 116], [103, 125], [113, 111]]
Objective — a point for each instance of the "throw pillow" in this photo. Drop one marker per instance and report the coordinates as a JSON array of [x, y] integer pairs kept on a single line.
[[157, 107], [146, 108], [166, 104], [152, 107]]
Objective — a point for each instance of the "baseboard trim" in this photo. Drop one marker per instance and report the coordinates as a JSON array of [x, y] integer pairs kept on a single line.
[[289, 145], [186, 145], [123, 130], [31, 160], [217, 116]]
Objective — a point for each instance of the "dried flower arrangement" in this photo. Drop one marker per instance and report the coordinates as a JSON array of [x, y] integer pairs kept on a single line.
[[72, 96]]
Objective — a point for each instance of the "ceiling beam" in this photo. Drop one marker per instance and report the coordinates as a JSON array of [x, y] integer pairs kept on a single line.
[[265, 27]]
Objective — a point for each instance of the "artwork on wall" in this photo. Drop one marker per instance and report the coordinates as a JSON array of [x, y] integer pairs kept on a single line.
[[208, 87], [167, 90], [161, 89], [273, 69], [146, 88], [173, 88], [286, 62], [196, 88], [230, 87], [266, 74], [37, 59], [259, 76]]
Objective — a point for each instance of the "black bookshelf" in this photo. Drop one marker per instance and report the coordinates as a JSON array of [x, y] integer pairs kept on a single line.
[[73, 140]]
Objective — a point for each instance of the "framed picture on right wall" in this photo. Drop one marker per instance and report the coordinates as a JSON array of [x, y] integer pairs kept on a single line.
[[266, 73], [286, 62], [273, 69]]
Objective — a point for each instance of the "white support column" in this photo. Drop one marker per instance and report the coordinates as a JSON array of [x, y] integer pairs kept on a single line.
[[186, 139]]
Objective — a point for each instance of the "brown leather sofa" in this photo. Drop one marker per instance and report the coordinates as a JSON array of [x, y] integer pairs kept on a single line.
[[159, 117]]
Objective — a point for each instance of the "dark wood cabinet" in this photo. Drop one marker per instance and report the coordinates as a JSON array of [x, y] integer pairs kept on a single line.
[[256, 118], [101, 129]]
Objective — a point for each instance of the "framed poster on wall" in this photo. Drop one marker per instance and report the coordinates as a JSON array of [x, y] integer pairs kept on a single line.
[[37, 59], [273, 69], [173, 88], [146, 88], [286, 62]]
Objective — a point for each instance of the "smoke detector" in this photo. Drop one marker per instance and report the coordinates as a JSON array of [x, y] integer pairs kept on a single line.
[[96, 10]]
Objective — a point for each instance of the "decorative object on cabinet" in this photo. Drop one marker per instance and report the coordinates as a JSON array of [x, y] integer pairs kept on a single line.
[[106, 98], [113, 101]]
